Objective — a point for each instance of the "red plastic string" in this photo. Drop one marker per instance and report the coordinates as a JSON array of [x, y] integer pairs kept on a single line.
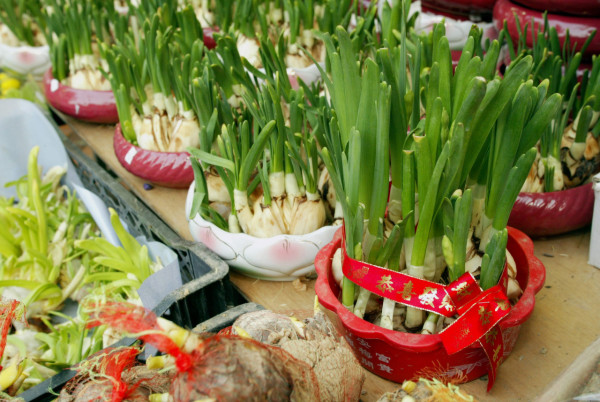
[[8, 313], [134, 320]]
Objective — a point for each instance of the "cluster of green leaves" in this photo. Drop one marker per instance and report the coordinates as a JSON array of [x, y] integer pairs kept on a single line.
[[50, 248]]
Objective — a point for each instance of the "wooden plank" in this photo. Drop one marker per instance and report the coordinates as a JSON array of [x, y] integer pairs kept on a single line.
[[564, 307], [572, 381]]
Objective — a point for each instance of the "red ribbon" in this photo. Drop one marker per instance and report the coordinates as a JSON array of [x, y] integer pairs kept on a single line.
[[479, 311]]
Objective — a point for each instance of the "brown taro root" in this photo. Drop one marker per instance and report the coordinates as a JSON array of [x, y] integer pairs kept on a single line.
[[314, 341], [234, 368], [221, 367]]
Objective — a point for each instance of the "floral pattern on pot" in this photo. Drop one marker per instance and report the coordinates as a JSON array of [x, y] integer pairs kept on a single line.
[[279, 258]]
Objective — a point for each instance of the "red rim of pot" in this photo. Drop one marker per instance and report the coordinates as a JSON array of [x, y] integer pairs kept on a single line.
[[86, 105], [579, 28], [531, 279], [573, 7], [167, 169], [556, 212], [459, 9], [209, 40]]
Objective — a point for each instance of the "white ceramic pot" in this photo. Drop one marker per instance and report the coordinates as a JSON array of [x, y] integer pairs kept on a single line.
[[25, 59], [278, 258]]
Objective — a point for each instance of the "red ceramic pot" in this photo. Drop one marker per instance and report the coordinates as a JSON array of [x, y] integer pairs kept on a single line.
[[459, 8], [543, 214], [209, 40], [167, 169], [400, 356], [579, 28], [574, 7], [90, 106]]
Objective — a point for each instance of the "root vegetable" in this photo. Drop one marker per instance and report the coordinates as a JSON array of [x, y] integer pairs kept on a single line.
[[220, 367], [315, 342], [114, 372]]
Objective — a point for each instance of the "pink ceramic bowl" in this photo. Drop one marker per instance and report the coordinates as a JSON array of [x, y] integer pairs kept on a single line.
[[544, 214], [90, 106], [167, 169], [399, 356], [25, 59], [579, 28]]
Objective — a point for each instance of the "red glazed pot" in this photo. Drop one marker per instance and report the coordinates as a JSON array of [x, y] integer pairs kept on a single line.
[[459, 8], [574, 7], [209, 40], [579, 28], [400, 356], [167, 169], [543, 214], [90, 106]]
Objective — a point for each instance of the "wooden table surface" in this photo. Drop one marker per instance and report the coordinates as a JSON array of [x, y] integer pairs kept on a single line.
[[564, 322]]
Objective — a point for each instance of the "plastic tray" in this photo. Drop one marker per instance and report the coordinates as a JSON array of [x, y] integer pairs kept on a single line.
[[47, 390]]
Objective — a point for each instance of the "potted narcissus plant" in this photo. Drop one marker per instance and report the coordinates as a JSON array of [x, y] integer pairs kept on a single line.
[[206, 12], [164, 93], [75, 85], [398, 273], [557, 196], [23, 47], [258, 199]]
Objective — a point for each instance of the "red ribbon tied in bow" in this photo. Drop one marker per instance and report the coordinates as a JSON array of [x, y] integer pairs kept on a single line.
[[479, 311]]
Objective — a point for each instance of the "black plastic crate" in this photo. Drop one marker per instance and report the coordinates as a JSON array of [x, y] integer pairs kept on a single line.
[[47, 390], [207, 290]]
